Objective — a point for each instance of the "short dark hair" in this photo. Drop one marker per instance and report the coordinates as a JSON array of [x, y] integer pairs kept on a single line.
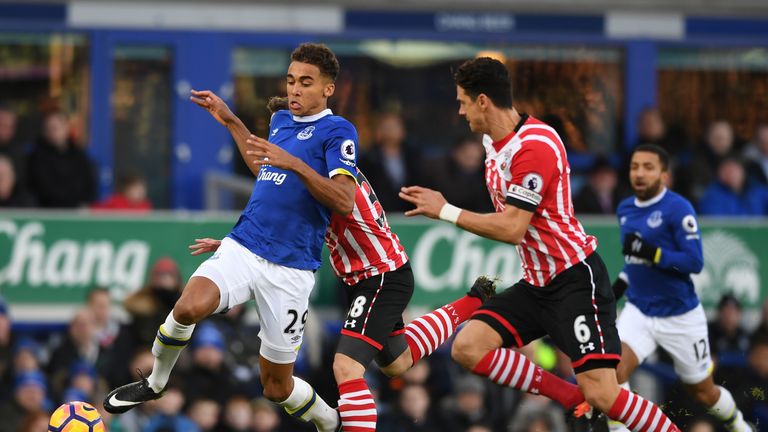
[[728, 299], [277, 103], [318, 55], [658, 151], [487, 76]]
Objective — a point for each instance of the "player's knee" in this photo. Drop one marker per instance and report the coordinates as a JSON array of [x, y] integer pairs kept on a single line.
[[344, 369], [186, 312], [706, 395], [466, 353], [399, 366], [391, 370], [196, 305], [622, 374], [600, 396]]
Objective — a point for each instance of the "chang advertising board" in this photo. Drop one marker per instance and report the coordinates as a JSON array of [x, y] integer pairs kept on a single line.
[[50, 259], [53, 260], [36, 261]]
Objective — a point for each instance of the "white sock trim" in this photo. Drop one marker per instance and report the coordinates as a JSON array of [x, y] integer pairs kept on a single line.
[[725, 406], [301, 393], [176, 330], [166, 355], [320, 413], [725, 409]]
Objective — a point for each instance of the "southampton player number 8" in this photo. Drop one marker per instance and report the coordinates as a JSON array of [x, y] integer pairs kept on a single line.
[[357, 307]]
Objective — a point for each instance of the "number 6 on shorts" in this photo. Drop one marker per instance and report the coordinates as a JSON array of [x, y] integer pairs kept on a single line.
[[581, 330]]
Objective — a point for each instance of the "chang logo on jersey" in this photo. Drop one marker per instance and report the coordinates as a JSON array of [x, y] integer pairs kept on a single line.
[[306, 133], [266, 175], [655, 220]]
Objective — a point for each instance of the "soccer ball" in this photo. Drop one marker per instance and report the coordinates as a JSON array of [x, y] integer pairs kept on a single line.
[[76, 417]]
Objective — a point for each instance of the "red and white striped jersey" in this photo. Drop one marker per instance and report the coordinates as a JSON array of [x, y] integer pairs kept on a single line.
[[361, 243], [528, 169]]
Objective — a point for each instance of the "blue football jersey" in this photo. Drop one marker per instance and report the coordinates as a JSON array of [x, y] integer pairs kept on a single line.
[[283, 223], [667, 221]]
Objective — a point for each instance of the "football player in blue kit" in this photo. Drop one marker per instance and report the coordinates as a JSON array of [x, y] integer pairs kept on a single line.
[[272, 252], [662, 248]]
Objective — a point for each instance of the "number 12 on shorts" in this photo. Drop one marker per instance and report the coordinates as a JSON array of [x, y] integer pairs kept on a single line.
[[700, 349], [294, 318]]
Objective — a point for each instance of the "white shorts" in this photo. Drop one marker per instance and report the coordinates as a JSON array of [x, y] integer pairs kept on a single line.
[[281, 293], [684, 337]]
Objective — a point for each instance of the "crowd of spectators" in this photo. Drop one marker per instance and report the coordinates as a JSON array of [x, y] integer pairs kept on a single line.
[[215, 386], [56, 172], [722, 174]]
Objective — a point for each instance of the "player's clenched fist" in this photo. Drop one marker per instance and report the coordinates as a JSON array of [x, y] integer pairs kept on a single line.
[[214, 104], [427, 201]]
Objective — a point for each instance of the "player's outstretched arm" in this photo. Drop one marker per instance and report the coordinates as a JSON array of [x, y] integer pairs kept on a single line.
[[508, 226], [222, 114], [337, 193]]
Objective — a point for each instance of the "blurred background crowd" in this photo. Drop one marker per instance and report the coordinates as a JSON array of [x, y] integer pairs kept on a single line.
[[216, 386], [721, 173]]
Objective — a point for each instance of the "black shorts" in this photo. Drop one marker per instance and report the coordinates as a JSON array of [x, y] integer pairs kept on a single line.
[[576, 309], [374, 327]]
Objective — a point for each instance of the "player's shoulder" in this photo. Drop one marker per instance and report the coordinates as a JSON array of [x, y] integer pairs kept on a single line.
[[678, 203], [538, 137], [281, 117], [535, 129], [336, 121], [625, 205], [682, 213], [335, 126]]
